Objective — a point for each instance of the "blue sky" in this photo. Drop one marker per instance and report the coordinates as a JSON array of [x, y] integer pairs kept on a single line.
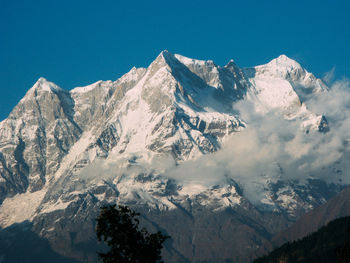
[[75, 43]]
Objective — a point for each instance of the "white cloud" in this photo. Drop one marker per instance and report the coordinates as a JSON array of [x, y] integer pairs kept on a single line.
[[329, 76], [270, 142]]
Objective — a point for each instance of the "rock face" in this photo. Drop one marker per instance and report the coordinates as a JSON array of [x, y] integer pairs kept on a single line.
[[63, 154]]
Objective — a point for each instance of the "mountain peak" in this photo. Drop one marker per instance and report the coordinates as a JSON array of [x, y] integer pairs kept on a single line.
[[165, 52], [164, 58], [42, 84], [165, 55], [284, 62], [231, 63]]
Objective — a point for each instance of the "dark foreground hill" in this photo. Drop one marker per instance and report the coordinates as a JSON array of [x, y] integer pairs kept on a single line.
[[329, 244], [336, 207]]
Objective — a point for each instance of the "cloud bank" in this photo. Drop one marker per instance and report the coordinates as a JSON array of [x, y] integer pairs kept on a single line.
[[272, 148]]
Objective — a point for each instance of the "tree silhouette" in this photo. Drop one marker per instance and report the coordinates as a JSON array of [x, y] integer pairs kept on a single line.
[[343, 253], [119, 228]]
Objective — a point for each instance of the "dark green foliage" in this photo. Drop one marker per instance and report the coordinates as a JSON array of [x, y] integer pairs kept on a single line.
[[119, 228], [343, 253], [330, 244]]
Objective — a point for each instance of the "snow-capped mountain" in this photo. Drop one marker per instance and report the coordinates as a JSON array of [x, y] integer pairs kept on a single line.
[[65, 153]]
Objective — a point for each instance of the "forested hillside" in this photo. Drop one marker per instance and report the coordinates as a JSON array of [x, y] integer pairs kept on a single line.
[[329, 244]]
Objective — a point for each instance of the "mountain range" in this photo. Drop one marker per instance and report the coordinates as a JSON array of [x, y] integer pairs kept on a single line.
[[221, 158]]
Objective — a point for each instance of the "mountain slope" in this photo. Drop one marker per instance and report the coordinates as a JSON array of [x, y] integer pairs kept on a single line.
[[338, 206], [321, 246]]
